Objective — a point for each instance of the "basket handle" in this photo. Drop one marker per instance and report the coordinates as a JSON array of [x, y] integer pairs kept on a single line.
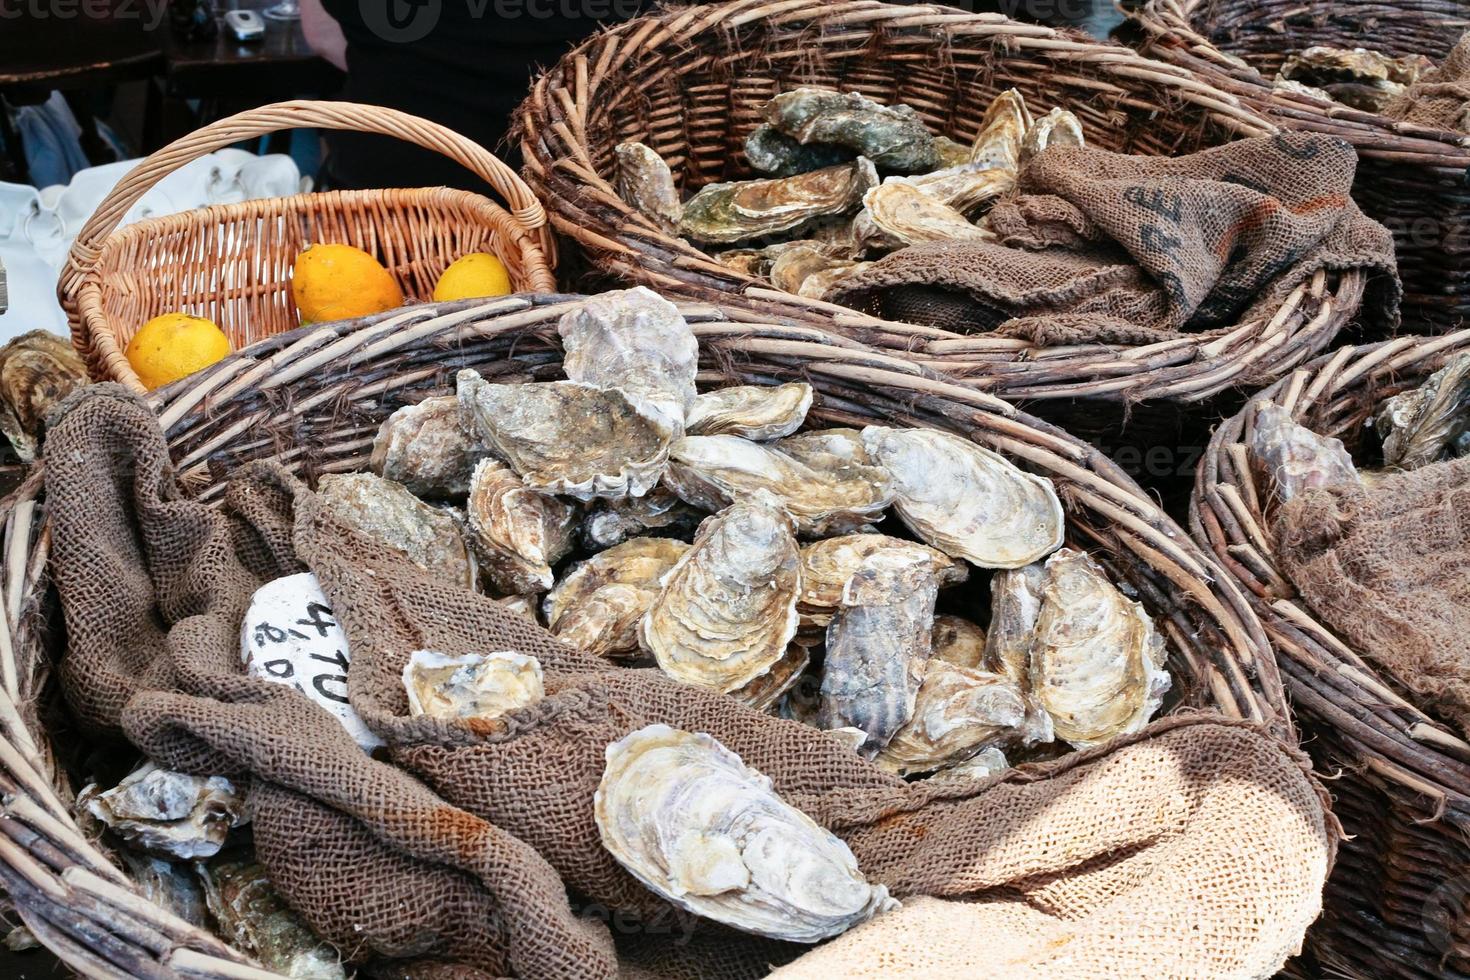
[[301, 114]]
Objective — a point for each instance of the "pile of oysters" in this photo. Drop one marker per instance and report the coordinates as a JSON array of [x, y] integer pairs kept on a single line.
[[1356, 77], [848, 180]]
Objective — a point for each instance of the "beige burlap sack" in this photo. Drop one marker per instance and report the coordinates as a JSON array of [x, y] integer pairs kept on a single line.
[[1441, 97], [474, 852]]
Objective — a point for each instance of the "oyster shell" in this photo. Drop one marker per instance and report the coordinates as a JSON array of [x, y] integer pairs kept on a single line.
[[773, 152], [660, 512], [1057, 128], [727, 610], [711, 471], [722, 214], [1096, 663], [1015, 602], [998, 144], [984, 764], [1419, 427], [829, 450], [958, 712], [962, 189], [472, 687], [252, 916], [877, 646], [701, 829], [598, 604], [763, 692], [171, 886], [518, 532], [965, 500], [166, 812], [1363, 79], [897, 214], [37, 370], [425, 447], [828, 565], [646, 182], [567, 437], [432, 537], [636, 342], [1295, 457], [851, 737], [819, 284], [958, 641], [753, 262], [893, 137], [791, 271], [950, 153], [525, 605], [751, 411]]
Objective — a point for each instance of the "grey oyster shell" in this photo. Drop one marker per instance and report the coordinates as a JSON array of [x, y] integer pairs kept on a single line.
[[877, 646], [426, 448], [658, 512], [722, 214], [958, 641], [166, 812], [519, 533], [645, 181], [1057, 128], [598, 604], [750, 411], [829, 564], [1420, 427], [958, 712], [252, 916], [704, 831], [967, 501], [727, 610], [432, 537], [893, 137], [567, 437], [1015, 602], [1294, 456], [471, 687], [772, 152]]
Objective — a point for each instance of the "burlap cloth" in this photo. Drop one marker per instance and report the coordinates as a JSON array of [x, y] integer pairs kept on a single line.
[[1196, 848], [1441, 97], [1102, 247], [1387, 567]]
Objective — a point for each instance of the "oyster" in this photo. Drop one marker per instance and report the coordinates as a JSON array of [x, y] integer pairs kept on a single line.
[[659, 511], [171, 886], [998, 144], [1418, 427], [425, 447], [791, 271], [381, 509], [636, 342], [877, 646], [950, 153], [1295, 457], [829, 450], [711, 471], [819, 284], [893, 137], [1015, 602], [763, 692], [1297, 88], [519, 533], [751, 411], [958, 641], [851, 737], [984, 764], [1057, 128], [252, 916], [897, 214], [597, 605], [958, 712], [962, 189], [1097, 662], [773, 152], [727, 610], [701, 829], [753, 262], [828, 565], [723, 214], [166, 812], [567, 437], [1363, 79], [967, 501], [472, 687], [645, 181], [37, 370], [525, 605]]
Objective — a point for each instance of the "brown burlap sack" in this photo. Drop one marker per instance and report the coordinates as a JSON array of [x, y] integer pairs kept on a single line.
[[1104, 247], [475, 854], [1387, 567], [1441, 97]]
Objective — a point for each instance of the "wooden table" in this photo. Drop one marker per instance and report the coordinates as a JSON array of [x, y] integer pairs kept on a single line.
[[278, 66]]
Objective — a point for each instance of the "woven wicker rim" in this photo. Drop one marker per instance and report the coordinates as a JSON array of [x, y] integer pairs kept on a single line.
[[247, 406]]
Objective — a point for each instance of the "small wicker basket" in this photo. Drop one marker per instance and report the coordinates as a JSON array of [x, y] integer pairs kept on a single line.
[[232, 263], [1397, 902], [313, 400]]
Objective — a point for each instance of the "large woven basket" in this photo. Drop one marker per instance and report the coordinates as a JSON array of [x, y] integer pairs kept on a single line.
[[314, 398], [1411, 178], [232, 263], [1399, 902], [690, 82]]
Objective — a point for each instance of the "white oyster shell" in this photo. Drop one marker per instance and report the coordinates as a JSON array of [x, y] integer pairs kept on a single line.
[[1295, 457], [751, 411], [1057, 128], [166, 812], [706, 832], [519, 532], [1015, 602], [471, 687], [611, 522], [998, 144]]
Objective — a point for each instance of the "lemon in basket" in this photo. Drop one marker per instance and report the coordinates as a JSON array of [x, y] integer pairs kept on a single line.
[[472, 276], [338, 282], [174, 345]]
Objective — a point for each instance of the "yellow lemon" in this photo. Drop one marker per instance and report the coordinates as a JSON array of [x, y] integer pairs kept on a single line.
[[471, 276], [338, 282], [174, 345]]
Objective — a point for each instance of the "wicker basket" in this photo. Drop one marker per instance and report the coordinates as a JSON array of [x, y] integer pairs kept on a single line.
[[1410, 178], [314, 398], [1399, 902], [232, 263], [689, 83]]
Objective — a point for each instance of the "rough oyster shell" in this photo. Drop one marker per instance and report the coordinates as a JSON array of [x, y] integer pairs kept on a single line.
[[984, 764], [1419, 427], [597, 605], [722, 214], [893, 137], [753, 262], [166, 812], [1057, 128], [772, 152], [958, 641], [1096, 663], [828, 450], [1366, 80], [425, 447], [877, 646], [896, 214], [701, 829], [252, 916], [169, 885], [763, 692], [37, 370], [998, 144], [819, 284], [646, 182], [1015, 602], [796, 266], [519, 533], [828, 565], [962, 189], [958, 712], [431, 537], [751, 411], [567, 437], [1294, 456], [638, 343], [711, 471], [472, 687], [727, 610], [660, 512], [965, 500], [950, 153], [525, 605]]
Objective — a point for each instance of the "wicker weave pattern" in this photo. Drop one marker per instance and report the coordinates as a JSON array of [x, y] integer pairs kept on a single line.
[[1396, 904]]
